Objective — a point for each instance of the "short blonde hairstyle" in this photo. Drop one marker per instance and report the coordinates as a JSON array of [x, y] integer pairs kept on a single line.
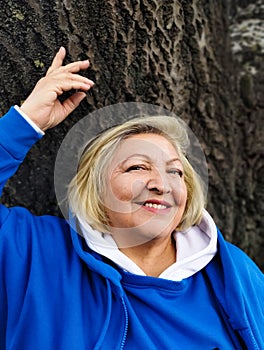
[[86, 190]]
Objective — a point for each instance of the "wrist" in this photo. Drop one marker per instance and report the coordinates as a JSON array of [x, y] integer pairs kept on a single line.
[[29, 120]]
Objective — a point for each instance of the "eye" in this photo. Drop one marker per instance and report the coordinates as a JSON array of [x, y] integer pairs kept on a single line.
[[136, 167], [176, 172]]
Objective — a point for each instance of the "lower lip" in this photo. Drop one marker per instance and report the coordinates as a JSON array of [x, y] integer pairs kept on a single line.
[[156, 210]]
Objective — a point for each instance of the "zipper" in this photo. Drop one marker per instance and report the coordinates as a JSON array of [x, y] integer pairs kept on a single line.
[[126, 325]]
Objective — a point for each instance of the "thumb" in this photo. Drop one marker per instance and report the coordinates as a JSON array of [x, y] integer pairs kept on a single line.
[[72, 102]]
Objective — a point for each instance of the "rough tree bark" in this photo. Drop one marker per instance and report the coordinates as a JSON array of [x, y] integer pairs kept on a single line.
[[176, 54]]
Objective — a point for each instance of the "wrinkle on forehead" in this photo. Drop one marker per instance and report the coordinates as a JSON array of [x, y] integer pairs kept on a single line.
[[148, 146]]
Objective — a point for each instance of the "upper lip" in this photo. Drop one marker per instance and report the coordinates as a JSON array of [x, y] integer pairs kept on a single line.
[[156, 201]]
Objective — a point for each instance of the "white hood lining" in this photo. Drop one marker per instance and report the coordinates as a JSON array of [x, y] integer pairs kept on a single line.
[[196, 247]]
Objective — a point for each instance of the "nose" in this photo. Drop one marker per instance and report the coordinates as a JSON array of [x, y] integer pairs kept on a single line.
[[158, 182]]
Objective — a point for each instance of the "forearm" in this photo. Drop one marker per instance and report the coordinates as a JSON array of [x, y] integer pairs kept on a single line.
[[17, 136]]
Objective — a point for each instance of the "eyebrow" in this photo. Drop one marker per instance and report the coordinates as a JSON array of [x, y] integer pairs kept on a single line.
[[147, 157], [173, 160]]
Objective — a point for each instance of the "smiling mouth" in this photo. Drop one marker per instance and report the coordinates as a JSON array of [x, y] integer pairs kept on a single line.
[[155, 205]]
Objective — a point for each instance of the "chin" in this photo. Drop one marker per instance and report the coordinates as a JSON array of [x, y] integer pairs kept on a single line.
[[126, 237]]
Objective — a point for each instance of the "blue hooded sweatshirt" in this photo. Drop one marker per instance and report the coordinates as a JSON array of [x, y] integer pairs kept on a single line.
[[56, 293]]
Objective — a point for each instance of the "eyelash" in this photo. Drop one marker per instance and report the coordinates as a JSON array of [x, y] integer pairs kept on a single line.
[[142, 167], [136, 167], [176, 171]]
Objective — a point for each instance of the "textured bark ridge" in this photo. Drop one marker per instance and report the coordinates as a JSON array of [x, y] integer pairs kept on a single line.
[[247, 34], [176, 54]]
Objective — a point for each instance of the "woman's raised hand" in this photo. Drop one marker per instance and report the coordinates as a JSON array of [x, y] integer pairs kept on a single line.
[[43, 106]]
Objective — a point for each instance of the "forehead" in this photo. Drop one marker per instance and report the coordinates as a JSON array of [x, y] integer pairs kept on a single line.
[[150, 145]]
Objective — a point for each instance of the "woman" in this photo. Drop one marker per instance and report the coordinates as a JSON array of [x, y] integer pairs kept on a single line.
[[148, 269]]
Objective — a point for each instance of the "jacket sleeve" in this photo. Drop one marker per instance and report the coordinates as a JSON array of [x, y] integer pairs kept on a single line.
[[16, 138]]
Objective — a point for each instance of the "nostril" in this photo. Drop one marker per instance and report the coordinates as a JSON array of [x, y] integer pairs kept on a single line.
[[155, 189]]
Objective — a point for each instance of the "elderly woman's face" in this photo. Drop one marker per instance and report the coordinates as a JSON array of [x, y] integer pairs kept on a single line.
[[146, 193]]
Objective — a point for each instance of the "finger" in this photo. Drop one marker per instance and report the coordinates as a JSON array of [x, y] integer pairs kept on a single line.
[[78, 78], [63, 77], [72, 102], [76, 66], [58, 60], [66, 81], [67, 87]]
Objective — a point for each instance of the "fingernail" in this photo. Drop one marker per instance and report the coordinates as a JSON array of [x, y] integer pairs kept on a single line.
[[62, 48], [90, 82]]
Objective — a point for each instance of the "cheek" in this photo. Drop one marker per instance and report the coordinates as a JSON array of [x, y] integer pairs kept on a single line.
[[121, 193], [126, 189], [180, 193]]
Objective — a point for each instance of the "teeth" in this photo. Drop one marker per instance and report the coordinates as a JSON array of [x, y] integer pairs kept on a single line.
[[155, 206]]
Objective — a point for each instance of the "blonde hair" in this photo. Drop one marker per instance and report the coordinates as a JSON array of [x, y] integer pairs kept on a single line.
[[87, 188]]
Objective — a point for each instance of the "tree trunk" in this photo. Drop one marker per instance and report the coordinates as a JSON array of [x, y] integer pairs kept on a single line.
[[176, 54]]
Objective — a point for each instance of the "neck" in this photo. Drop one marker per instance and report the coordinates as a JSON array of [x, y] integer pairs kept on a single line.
[[153, 257]]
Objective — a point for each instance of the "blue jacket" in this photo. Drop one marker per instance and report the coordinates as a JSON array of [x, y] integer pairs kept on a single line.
[[57, 294]]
